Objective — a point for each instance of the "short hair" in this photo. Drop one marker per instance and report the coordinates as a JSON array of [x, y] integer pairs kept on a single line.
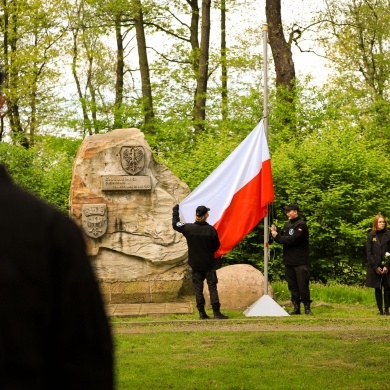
[[202, 218]]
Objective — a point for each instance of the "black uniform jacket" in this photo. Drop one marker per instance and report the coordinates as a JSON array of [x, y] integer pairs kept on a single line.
[[202, 240], [54, 333], [376, 258], [295, 240]]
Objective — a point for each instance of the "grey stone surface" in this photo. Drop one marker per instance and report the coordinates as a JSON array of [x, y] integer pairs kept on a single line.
[[137, 255], [239, 286]]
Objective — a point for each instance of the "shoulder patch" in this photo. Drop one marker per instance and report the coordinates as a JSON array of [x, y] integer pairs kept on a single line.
[[180, 224]]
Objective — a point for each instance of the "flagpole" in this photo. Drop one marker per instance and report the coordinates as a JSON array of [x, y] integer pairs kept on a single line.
[[265, 122], [265, 305]]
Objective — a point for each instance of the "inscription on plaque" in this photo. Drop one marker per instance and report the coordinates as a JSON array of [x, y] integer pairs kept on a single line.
[[120, 183]]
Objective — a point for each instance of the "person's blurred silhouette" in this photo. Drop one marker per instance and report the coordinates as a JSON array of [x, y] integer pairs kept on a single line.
[[54, 333]]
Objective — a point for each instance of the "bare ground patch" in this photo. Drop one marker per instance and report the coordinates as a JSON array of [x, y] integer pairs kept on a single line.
[[351, 330]]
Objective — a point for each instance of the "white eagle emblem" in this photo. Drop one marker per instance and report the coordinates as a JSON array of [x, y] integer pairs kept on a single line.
[[132, 159]]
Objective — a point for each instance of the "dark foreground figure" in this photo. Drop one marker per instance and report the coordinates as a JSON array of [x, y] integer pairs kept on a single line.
[[54, 333], [203, 242]]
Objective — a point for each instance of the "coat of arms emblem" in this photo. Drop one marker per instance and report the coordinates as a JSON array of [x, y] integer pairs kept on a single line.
[[94, 219], [132, 159]]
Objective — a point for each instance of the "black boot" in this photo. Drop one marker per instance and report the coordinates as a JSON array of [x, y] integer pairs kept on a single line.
[[307, 308], [386, 296], [203, 315], [219, 316], [297, 308], [379, 300]]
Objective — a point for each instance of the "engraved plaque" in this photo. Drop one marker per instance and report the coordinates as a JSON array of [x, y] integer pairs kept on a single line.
[[121, 183], [94, 219], [132, 159]]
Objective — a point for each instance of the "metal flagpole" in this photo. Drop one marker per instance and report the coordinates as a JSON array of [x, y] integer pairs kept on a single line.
[[265, 122], [265, 306]]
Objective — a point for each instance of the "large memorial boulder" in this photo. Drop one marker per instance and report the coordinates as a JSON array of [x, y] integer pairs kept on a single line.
[[239, 286], [122, 198]]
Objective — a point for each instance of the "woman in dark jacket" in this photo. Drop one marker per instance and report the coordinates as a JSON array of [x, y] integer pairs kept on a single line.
[[378, 262]]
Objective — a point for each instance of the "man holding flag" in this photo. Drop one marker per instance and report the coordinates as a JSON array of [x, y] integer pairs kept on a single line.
[[238, 191], [203, 242]]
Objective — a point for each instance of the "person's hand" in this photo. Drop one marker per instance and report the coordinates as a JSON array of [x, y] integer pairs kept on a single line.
[[175, 207], [379, 271], [385, 271], [274, 232], [273, 227]]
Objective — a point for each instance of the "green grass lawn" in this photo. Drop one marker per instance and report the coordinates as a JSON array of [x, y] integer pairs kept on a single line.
[[344, 345]]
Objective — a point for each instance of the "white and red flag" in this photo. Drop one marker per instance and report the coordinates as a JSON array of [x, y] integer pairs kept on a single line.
[[237, 192]]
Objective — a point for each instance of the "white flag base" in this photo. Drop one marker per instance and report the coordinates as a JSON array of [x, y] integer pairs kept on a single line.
[[265, 306]]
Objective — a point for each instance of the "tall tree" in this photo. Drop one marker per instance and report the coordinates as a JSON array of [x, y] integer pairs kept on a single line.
[[77, 27], [281, 49], [147, 97], [98, 69], [126, 20], [283, 61], [10, 33], [224, 74], [196, 57], [120, 66], [31, 33], [356, 37], [202, 74]]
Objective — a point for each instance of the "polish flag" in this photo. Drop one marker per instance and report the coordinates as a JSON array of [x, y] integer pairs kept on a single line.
[[237, 192]]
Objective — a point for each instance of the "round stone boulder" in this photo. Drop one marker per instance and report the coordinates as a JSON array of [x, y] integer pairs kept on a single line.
[[239, 286]]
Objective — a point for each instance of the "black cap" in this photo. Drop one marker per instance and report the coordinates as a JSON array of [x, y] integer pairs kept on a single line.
[[291, 207], [201, 210]]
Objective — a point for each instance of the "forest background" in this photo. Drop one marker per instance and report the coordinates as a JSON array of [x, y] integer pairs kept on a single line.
[[189, 74]]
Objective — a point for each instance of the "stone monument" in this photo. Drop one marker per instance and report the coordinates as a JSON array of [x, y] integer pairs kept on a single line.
[[122, 198]]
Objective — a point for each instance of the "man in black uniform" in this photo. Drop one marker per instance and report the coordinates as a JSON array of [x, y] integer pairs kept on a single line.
[[203, 242], [54, 333], [295, 240]]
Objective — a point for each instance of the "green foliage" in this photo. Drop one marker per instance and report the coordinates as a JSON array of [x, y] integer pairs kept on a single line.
[[333, 167], [355, 36], [44, 170], [31, 33], [334, 163], [333, 175], [329, 146], [329, 293]]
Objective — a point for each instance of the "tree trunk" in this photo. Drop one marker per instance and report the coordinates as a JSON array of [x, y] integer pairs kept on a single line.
[[147, 103], [34, 97], [118, 124], [201, 85], [10, 36], [284, 64], [281, 49], [82, 98], [224, 77], [194, 31]]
